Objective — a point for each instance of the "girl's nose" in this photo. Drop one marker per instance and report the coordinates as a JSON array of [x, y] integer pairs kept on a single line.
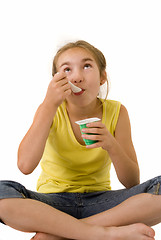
[[78, 80], [76, 77]]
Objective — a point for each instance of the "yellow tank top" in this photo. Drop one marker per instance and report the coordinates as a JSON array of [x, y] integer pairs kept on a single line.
[[67, 166]]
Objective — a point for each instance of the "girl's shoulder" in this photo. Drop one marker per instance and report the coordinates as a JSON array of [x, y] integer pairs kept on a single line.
[[112, 102], [111, 105], [116, 109], [111, 112]]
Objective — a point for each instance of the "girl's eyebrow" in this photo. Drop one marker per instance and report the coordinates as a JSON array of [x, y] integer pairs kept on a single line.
[[83, 60], [87, 59], [65, 63]]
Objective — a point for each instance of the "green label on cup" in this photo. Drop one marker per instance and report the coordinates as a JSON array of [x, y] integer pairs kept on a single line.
[[82, 124]]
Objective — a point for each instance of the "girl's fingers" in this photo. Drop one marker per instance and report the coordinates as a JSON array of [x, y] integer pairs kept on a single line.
[[58, 89], [98, 144], [97, 134], [95, 145], [92, 137], [59, 76], [94, 130], [61, 81], [95, 124]]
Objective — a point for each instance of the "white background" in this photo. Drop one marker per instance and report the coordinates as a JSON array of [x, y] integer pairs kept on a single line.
[[126, 31]]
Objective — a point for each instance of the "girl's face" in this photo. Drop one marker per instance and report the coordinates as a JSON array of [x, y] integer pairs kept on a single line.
[[82, 70]]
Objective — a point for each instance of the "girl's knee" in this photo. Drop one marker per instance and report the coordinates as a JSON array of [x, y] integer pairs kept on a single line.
[[6, 183], [10, 189], [155, 186]]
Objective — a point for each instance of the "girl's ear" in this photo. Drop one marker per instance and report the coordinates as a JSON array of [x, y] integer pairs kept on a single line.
[[103, 77]]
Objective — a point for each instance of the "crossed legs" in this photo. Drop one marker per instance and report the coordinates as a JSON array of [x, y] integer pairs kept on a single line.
[[144, 208], [131, 232], [32, 216]]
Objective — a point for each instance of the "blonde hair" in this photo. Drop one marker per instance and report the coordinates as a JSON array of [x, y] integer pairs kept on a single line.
[[96, 53]]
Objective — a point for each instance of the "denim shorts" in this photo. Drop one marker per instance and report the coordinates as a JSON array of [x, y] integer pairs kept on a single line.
[[80, 205]]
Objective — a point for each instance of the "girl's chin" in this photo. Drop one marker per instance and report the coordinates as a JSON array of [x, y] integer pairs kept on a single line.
[[83, 103], [82, 100]]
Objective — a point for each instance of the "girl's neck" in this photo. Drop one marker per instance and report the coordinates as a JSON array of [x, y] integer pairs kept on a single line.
[[94, 109]]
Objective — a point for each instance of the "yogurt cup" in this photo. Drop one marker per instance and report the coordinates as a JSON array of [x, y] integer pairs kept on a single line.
[[82, 124]]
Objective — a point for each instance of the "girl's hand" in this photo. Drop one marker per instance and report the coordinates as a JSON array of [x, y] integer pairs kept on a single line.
[[58, 89], [100, 134]]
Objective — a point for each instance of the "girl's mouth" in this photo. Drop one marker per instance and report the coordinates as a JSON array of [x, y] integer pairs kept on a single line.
[[79, 93]]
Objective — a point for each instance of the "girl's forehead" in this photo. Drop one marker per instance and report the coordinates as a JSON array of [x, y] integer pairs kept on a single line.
[[76, 53]]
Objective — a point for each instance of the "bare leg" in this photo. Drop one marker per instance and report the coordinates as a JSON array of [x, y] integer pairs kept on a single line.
[[144, 208], [33, 216], [131, 232], [29, 216], [45, 236]]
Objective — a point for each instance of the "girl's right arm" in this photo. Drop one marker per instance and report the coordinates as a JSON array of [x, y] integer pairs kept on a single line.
[[32, 146]]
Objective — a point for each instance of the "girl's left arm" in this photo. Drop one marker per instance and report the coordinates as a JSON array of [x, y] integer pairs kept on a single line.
[[122, 152], [120, 147]]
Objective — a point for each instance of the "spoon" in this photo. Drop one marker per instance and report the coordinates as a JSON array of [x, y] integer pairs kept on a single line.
[[74, 88]]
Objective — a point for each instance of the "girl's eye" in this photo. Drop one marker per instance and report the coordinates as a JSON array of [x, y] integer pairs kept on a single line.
[[67, 70], [87, 65]]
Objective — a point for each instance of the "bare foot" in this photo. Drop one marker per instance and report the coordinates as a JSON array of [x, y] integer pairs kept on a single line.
[[45, 236], [136, 231]]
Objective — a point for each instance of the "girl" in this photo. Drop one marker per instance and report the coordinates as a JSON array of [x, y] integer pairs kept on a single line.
[[74, 198]]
